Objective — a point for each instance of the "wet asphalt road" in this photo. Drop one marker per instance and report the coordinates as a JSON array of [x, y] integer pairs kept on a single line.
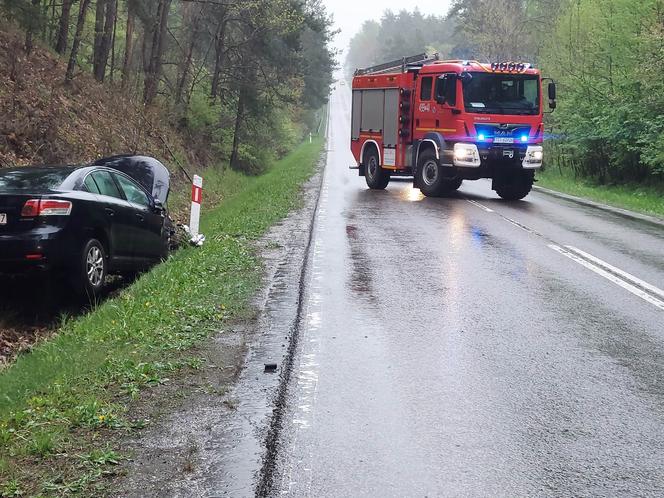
[[468, 346]]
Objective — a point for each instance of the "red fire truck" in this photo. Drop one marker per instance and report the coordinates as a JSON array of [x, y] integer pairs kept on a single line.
[[445, 121]]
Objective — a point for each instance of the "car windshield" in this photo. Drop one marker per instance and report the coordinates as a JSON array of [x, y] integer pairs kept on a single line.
[[32, 179], [502, 93]]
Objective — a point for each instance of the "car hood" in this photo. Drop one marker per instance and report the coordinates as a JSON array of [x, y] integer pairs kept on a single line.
[[147, 171]]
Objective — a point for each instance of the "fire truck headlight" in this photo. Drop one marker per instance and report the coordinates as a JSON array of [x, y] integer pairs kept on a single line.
[[534, 155], [466, 155]]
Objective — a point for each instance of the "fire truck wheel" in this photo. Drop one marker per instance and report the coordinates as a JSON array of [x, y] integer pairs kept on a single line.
[[429, 175], [377, 178], [515, 188], [454, 184]]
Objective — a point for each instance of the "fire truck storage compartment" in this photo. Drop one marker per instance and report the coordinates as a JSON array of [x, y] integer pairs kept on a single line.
[[376, 111]]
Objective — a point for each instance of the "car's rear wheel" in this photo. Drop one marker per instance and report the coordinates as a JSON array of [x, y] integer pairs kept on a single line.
[[92, 269]]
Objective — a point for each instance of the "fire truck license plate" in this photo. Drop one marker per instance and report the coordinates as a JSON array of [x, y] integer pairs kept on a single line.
[[3, 218], [503, 140]]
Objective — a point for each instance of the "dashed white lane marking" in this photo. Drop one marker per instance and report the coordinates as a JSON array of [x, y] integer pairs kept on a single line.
[[627, 281], [610, 276], [475, 203], [627, 276]]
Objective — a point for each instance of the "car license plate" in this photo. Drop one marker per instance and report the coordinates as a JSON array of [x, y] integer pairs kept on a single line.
[[503, 140], [3, 218]]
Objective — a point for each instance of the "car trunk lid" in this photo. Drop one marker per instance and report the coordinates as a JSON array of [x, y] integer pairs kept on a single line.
[[11, 220]]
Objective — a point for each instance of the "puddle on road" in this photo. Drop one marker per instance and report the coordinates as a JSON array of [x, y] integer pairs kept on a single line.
[[360, 272]]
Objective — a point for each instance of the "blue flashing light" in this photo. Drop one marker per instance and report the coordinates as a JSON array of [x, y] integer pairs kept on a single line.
[[524, 138], [481, 137]]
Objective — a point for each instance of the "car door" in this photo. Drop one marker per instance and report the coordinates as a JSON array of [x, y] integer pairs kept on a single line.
[[147, 221], [118, 214]]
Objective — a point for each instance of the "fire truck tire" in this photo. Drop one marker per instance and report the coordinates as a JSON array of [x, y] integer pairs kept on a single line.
[[376, 177], [454, 184], [430, 177], [515, 188]]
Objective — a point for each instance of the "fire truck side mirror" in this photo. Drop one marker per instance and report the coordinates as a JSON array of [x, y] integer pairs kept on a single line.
[[552, 95]]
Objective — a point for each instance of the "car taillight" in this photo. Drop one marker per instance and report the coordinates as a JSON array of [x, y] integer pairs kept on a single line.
[[46, 207]]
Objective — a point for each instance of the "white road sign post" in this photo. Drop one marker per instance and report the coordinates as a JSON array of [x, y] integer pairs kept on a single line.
[[196, 199]]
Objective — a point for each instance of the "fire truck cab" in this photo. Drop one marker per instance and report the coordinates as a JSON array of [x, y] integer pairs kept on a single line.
[[447, 121]]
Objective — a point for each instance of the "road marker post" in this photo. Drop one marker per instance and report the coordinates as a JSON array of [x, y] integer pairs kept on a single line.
[[196, 199]]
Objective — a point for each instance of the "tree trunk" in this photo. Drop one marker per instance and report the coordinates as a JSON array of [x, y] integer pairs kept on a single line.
[[104, 22], [185, 71], [46, 25], [63, 28], [98, 41], [51, 24], [129, 47], [115, 28], [154, 67], [107, 38], [218, 59], [69, 75], [236, 132], [32, 26]]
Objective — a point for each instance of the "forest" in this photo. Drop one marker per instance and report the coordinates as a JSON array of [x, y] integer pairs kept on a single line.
[[240, 80], [606, 56]]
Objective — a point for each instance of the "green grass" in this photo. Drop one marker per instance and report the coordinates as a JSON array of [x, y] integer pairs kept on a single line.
[[57, 400], [641, 198]]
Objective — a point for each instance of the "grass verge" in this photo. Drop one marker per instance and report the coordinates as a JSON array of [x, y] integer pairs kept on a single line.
[[58, 402], [641, 198]]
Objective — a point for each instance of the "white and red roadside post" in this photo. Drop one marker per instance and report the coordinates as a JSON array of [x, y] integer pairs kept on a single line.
[[196, 199]]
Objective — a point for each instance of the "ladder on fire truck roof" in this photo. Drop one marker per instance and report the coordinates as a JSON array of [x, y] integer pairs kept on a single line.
[[402, 64]]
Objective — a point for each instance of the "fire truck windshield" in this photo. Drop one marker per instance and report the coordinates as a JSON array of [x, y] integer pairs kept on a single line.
[[500, 93]]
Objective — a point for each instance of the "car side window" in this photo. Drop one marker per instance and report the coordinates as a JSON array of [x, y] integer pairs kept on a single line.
[[91, 185], [132, 192], [105, 184], [425, 89]]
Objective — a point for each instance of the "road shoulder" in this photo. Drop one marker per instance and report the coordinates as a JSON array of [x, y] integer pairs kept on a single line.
[[604, 207], [207, 428]]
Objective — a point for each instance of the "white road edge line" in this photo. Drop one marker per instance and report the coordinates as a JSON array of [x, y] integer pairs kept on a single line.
[[609, 276], [618, 271]]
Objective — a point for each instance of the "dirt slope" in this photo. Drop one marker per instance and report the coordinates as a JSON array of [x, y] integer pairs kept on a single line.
[[42, 121]]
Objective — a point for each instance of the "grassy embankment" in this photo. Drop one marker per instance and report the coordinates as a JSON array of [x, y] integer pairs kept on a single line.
[[635, 197], [59, 402]]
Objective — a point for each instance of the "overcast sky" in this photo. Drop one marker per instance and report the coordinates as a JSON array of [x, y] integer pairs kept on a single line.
[[350, 14]]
